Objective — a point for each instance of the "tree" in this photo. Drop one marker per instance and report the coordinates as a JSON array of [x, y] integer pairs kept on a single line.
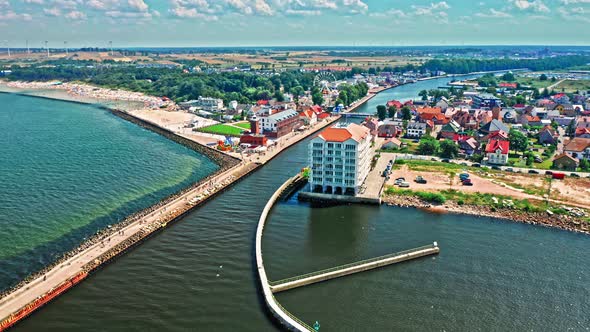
[[391, 111], [584, 164], [423, 94], [543, 77], [428, 146], [448, 149], [316, 96], [509, 77], [530, 157], [381, 112], [553, 79], [406, 113], [279, 96], [518, 141]]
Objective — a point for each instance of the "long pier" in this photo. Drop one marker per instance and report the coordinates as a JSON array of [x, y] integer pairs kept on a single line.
[[344, 270]]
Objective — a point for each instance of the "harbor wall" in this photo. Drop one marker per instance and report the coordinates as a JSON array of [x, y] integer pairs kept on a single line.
[[286, 319]]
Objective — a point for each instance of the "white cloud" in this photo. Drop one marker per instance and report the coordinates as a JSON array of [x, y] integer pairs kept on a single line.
[[434, 9], [54, 11], [536, 5], [75, 15], [493, 13], [12, 16], [570, 2]]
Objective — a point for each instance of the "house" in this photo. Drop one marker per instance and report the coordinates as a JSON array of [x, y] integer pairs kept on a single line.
[[390, 129], [497, 152], [372, 124], [530, 120], [450, 130], [468, 145], [492, 126], [436, 118], [565, 162], [498, 135], [391, 144], [583, 132], [564, 121], [578, 148], [308, 117], [486, 100], [416, 129], [254, 140], [560, 98], [323, 116], [340, 159], [443, 104], [395, 103], [583, 122], [505, 85], [548, 135]]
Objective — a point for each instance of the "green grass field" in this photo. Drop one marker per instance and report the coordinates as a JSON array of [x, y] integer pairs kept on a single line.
[[572, 86], [222, 129], [533, 82], [245, 125]]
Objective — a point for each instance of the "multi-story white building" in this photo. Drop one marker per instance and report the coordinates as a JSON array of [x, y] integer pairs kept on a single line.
[[210, 104], [340, 159]]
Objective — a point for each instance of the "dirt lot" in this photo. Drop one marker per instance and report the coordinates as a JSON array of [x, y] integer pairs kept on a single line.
[[440, 181]]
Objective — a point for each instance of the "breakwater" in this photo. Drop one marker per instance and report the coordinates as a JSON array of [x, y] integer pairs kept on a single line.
[[279, 313]]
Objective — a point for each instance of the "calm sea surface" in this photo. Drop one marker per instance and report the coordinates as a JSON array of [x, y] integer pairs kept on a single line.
[[199, 275], [68, 170]]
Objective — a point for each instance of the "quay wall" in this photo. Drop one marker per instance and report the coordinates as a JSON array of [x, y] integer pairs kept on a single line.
[[331, 198], [277, 311]]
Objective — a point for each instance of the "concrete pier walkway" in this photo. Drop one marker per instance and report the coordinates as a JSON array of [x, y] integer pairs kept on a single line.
[[344, 270]]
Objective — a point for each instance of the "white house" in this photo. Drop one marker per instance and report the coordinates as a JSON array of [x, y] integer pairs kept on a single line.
[[416, 129], [578, 148], [497, 152], [340, 159], [210, 104]]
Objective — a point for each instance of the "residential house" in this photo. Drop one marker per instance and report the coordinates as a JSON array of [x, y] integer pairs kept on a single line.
[[486, 100], [395, 103], [492, 126], [578, 148], [530, 120], [583, 132], [560, 98], [468, 145], [372, 124], [340, 159], [391, 144], [564, 121], [308, 117], [416, 129], [450, 130], [583, 122], [390, 128], [497, 152], [548, 135], [565, 162], [443, 104]]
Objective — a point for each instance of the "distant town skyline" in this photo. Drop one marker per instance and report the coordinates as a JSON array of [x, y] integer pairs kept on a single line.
[[194, 23]]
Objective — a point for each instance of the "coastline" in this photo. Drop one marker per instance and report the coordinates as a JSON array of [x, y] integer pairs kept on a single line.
[[38, 289], [565, 223]]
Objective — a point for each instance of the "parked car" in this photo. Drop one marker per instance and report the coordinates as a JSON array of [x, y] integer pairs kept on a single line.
[[575, 175], [385, 173], [404, 184], [548, 173], [400, 179], [538, 159], [464, 164], [509, 169], [420, 179], [433, 159], [445, 160], [497, 168], [532, 171], [475, 165], [467, 182]]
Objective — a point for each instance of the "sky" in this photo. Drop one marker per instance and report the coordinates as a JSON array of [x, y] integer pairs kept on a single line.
[[198, 23]]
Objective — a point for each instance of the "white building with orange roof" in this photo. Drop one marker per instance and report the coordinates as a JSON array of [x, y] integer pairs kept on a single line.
[[340, 159]]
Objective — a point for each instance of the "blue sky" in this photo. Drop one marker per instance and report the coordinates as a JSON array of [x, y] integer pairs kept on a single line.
[[294, 22]]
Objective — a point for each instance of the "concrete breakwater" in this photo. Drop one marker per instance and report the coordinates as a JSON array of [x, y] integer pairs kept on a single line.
[[279, 313]]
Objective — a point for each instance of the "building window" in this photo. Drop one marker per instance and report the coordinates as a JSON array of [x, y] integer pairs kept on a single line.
[[330, 145]]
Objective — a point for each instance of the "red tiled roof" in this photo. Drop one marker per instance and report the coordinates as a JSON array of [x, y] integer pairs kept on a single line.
[[429, 110], [323, 115], [395, 103], [582, 131], [354, 131], [577, 144], [495, 144], [262, 102], [508, 85]]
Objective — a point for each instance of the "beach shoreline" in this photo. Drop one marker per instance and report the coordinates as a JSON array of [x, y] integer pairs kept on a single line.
[[562, 222]]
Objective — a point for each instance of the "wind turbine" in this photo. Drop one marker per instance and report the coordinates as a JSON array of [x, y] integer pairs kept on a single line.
[[28, 50], [47, 48], [7, 47], [111, 46]]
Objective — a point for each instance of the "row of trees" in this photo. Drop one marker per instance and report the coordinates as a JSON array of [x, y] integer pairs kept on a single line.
[[445, 149], [179, 86], [467, 65], [383, 112]]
